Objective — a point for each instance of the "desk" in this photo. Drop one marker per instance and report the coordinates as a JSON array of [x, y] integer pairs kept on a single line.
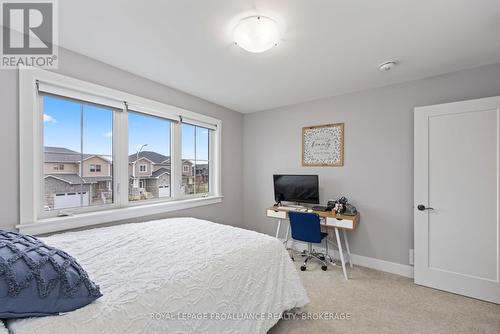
[[331, 221]]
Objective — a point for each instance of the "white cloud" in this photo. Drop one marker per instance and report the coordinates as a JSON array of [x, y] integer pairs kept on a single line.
[[48, 119], [108, 134]]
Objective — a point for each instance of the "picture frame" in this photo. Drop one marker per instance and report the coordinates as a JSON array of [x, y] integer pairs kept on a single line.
[[323, 145]]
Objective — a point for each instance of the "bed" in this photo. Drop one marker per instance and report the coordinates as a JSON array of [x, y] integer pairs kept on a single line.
[[180, 275]]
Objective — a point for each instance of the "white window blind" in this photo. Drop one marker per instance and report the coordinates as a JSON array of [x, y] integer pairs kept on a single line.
[[198, 123], [163, 113], [54, 89]]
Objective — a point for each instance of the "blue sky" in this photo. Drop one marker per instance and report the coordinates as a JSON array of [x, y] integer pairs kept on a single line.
[[62, 129]]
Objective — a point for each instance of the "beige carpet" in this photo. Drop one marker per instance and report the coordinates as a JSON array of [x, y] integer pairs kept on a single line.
[[379, 302]]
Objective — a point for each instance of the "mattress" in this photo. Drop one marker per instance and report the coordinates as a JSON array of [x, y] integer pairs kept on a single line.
[[181, 275]]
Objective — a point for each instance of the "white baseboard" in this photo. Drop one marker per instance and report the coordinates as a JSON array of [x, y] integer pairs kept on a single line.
[[363, 261], [382, 265]]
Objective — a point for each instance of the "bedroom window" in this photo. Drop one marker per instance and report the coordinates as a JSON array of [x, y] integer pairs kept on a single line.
[[91, 155]]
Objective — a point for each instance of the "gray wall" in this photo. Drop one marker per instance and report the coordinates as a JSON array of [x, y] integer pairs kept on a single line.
[[378, 173], [84, 68]]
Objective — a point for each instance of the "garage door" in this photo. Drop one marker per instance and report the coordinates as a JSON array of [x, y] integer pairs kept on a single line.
[[164, 191], [70, 200]]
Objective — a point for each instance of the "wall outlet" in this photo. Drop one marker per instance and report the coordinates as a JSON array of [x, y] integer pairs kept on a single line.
[[412, 258]]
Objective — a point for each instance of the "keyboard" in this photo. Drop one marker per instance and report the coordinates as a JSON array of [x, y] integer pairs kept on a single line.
[[319, 208], [291, 208]]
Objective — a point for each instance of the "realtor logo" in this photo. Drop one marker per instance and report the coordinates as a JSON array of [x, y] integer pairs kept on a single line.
[[29, 34]]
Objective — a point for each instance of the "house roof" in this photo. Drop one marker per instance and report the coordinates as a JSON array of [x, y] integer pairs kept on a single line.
[[154, 157], [95, 179], [76, 179], [68, 178], [160, 172], [62, 154]]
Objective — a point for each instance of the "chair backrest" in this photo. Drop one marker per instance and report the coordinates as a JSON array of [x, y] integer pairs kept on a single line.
[[305, 226]]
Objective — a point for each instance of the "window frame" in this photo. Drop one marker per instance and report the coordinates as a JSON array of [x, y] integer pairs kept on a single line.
[[93, 168], [31, 154], [145, 168]]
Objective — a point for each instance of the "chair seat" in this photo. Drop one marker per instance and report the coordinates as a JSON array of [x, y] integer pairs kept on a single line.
[[323, 235]]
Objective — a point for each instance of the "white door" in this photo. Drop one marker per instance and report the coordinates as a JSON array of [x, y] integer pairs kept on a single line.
[[164, 191], [456, 211]]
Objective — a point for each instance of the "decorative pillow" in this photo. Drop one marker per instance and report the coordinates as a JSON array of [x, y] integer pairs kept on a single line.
[[38, 280]]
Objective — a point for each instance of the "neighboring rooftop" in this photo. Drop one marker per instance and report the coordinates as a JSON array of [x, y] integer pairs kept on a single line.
[[62, 154], [76, 179], [160, 172], [155, 157]]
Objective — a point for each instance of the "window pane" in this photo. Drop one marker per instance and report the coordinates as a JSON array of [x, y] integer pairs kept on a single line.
[[98, 153], [70, 126], [195, 159], [201, 181], [188, 141], [201, 144], [149, 157], [188, 158]]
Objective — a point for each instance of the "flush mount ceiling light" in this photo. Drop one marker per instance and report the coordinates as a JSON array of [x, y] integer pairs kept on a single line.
[[256, 34], [387, 66]]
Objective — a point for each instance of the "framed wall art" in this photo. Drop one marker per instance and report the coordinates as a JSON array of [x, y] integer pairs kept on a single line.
[[323, 145]]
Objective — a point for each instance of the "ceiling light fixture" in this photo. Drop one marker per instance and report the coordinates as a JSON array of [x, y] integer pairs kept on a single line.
[[387, 66], [256, 34]]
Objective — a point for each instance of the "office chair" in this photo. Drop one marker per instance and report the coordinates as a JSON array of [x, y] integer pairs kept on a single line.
[[306, 227]]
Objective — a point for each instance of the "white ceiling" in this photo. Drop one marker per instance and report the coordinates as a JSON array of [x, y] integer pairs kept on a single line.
[[329, 47]]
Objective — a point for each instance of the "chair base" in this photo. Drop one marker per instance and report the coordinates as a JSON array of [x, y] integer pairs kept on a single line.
[[311, 254]]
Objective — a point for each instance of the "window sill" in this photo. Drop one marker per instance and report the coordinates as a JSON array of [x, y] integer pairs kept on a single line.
[[49, 225]]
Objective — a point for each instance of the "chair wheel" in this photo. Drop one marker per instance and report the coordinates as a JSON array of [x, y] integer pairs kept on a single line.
[[303, 268], [293, 259], [323, 268]]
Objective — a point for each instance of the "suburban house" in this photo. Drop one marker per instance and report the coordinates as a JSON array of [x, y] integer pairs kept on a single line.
[[68, 183], [149, 175]]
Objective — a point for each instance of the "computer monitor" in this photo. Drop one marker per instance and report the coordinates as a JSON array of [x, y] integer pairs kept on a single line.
[[296, 188]]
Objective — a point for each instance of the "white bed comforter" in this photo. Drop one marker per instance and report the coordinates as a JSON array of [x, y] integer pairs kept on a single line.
[[154, 276], [3, 330]]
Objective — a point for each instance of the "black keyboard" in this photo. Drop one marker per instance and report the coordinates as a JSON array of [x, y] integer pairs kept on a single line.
[[319, 208]]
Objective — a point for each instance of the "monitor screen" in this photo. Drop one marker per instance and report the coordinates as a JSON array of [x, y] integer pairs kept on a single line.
[[296, 188]]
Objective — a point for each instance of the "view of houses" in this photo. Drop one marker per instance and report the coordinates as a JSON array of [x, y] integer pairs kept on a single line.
[[74, 180]]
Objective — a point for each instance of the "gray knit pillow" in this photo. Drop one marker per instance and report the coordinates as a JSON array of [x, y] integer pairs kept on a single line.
[[37, 279]]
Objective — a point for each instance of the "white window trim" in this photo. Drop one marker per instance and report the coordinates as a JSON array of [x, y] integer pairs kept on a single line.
[[145, 168], [31, 154]]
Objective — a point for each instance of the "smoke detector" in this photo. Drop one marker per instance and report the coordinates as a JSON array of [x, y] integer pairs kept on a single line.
[[387, 66]]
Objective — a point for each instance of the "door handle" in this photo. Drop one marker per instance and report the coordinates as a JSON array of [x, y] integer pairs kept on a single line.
[[422, 207]]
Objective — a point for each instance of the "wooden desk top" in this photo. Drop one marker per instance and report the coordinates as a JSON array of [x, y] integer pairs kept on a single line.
[[325, 214]]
